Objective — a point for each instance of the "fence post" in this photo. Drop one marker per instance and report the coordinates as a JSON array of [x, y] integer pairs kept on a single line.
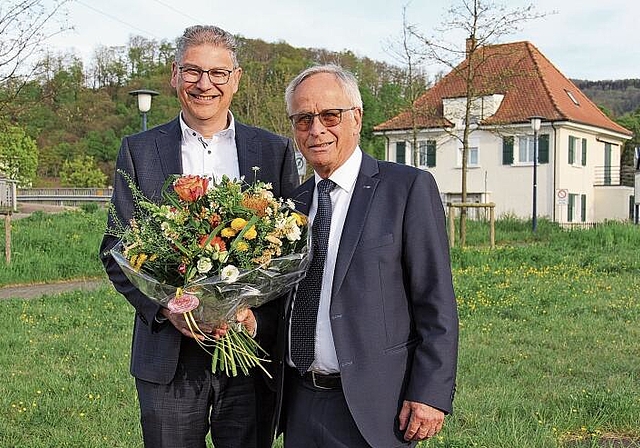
[[7, 238], [452, 224], [492, 226]]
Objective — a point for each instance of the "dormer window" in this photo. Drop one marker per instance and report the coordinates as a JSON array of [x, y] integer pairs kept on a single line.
[[573, 98]]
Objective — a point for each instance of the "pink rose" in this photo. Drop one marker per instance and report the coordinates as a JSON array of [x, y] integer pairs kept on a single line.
[[183, 304]]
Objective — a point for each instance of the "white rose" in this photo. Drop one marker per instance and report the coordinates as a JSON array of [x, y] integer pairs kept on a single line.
[[204, 265], [229, 273]]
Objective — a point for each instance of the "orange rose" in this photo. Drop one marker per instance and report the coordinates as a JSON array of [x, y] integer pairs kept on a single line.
[[216, 242], [191, 188]]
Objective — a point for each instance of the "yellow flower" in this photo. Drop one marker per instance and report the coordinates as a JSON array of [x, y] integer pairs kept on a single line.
[[139, 261], [251, 233], [301, 220], [238, 224], [242, 246], [228, 232]]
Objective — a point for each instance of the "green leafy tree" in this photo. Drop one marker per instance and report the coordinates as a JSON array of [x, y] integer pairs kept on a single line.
[[630, 121], [18, 155], [82, 172]]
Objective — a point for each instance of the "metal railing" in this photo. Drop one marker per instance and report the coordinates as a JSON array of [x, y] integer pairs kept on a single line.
[[613, 176], [64, 196]]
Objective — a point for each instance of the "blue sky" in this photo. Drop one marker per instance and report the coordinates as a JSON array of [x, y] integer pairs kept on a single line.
[[585, 39]]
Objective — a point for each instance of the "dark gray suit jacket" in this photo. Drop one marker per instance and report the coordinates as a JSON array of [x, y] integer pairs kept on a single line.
[[393, 310], [150, 158]]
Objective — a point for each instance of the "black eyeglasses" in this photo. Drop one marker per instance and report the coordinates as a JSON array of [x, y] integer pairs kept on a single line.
[[328, 118], [217, 76]]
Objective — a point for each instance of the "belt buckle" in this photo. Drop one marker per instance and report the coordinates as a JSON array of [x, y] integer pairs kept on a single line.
[[313, 380]]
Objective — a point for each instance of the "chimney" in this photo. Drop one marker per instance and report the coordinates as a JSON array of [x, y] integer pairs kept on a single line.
[[471, 42]]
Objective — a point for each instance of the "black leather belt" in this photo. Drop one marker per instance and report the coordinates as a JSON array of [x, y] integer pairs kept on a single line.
[[322, 382]]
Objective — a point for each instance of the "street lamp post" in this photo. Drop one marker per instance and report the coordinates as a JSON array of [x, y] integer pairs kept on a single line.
[[535, 125], [144, 103]]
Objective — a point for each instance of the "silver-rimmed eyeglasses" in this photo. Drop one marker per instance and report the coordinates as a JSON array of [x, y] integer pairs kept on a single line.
[[328, 118], [217, 76]]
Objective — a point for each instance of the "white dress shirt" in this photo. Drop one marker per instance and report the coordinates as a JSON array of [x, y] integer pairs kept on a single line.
[[326, 360], [211, 157]]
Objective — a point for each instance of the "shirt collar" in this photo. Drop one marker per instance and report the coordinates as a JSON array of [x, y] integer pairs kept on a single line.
[[346, 174], [191, 134]]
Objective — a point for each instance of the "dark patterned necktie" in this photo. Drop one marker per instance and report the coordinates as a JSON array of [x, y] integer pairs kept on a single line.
[[305, 307]]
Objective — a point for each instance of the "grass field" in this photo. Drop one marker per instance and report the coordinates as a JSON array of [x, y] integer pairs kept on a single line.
[[549, 352]]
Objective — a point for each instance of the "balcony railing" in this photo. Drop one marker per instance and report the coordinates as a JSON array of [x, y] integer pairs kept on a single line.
[[614, 176]]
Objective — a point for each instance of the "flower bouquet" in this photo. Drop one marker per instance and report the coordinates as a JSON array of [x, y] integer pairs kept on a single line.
[[208, 250]]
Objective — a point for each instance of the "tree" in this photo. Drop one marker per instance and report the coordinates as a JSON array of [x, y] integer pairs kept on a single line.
[[82, 172], [407, 53], [24, 28], [484, 23], [18, 155]]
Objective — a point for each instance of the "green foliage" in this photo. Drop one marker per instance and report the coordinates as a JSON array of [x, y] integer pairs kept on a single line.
[[18, 155], [82, 172]]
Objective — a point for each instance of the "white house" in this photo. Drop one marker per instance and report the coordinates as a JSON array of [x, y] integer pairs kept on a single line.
[[578, 169]]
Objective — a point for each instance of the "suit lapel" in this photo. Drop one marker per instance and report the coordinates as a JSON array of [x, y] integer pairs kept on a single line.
[[363, 193], [168, 145], [248, 150]]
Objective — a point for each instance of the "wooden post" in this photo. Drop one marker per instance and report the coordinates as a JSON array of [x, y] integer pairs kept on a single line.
[[452, 224], [7, 238], [492, 228], [452, 206]]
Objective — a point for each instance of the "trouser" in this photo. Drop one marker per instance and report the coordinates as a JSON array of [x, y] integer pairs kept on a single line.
[[236, 410]]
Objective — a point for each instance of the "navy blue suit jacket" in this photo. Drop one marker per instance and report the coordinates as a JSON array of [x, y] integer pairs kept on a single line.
[[150, 158], [393, 310]]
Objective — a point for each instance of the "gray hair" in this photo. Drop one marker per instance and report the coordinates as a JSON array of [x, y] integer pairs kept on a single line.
[[345, 78], [206, 34]]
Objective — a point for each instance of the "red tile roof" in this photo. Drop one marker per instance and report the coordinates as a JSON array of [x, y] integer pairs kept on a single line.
[[530, 83]]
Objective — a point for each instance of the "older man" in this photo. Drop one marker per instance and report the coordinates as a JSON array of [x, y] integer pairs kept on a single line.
[[370, 337], [181, 400]]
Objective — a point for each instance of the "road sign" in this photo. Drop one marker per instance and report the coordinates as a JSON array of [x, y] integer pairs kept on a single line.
[[562, 196]]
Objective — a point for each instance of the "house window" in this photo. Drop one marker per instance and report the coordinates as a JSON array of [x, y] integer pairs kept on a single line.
[[525, 149], [573, 149], [427, 152], [583, 207], [473, 156], [572, 97], [400, 152], [583, 159]]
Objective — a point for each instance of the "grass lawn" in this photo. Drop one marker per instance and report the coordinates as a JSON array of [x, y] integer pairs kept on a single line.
[[549, 352]]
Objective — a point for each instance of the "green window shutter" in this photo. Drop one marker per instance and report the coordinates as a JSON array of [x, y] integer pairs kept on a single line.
[[400, 152], [543, 148], [572, 147], [570, 207], [584, 152], [507, 150], [583, 207], [431, 153]]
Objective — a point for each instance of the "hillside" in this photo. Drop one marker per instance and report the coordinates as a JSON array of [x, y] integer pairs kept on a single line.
[[618, 96]]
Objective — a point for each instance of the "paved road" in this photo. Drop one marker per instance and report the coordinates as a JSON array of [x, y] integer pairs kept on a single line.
[[34, 291]]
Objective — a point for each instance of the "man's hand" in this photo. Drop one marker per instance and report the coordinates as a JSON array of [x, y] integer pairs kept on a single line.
[[420, 421], [246, 318], [178, 321]]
